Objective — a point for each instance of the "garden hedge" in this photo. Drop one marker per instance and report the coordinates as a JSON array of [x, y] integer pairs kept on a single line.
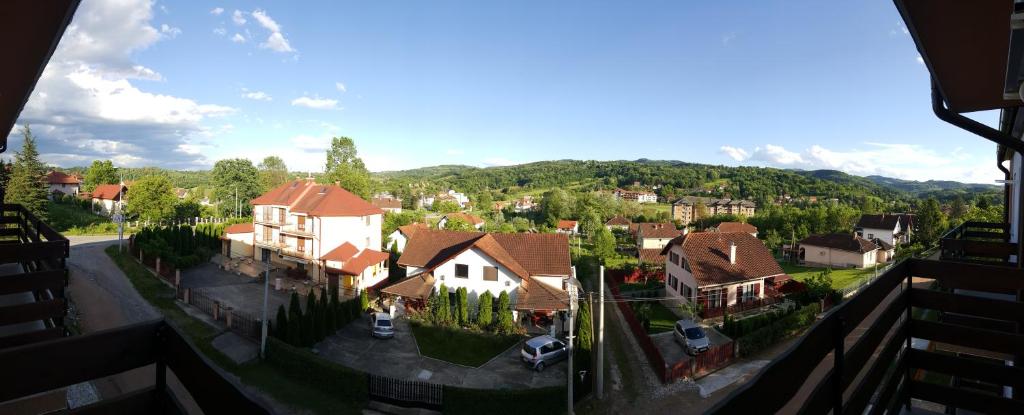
[[767, 336], [550, 400], [324, 375]]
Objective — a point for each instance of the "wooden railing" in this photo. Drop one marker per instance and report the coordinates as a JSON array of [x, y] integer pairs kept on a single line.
[[877, 371], [39, 279], [982, 242], [36, 368]]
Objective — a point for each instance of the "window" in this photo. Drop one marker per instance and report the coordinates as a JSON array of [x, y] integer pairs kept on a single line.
[[490, 273], [367, 221], [714, 298], [301, 244], [686, 265], [302, 223], [673, 257], [749, 291], [280, 238], [461, 271], [687, 292]]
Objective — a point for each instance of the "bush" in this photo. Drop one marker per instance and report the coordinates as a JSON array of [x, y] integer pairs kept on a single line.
[[326, 376], [364, 301], [505, 323], [462, 306], [503, 401], [764, 337], [442, 311], [485, 310], [281, 324]]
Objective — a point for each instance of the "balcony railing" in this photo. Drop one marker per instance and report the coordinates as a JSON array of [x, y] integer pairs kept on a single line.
[[980, 242], [295, 229], [295, 253], [273, 243], [859, 357], [46, 366], [272, 220], [33, 279]]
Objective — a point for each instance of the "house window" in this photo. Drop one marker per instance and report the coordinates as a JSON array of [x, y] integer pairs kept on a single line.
[[686, 265], [302, 223], [687, 292], [280, 238], [490, 273], [749, 292], [301, 244], [674, 257], [367, 221], [461, 271], [714, 298]]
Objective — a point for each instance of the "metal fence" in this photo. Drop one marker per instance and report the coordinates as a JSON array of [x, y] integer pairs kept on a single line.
[[245, 323], [405, 391]]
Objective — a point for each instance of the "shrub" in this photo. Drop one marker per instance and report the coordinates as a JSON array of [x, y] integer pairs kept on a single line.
[[485, 310], [326, 376], [766, 336], [505, 323], [294, 329], [442, 314], [281, 324], [462, 307], [364, 301]]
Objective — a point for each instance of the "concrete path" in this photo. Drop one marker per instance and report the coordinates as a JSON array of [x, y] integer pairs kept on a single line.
[[729, 375]]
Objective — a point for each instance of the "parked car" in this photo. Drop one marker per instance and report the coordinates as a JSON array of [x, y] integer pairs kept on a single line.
[[691, 337], [381, 326], [542, 351]]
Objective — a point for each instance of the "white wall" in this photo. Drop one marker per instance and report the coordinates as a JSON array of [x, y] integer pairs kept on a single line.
[[684, 276], [334, 231], [817, 255], [241, 244], [887, 235], [475, 284], [396, 237], [654, 243]]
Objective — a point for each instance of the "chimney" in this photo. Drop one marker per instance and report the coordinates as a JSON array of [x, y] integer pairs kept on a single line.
[[732, 253]]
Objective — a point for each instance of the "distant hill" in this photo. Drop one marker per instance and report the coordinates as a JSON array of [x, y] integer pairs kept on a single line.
[[916, 187]]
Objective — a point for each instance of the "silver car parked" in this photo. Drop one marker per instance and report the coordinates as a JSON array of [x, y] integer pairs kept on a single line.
[[542, 351], [691, 337], [381, 326]]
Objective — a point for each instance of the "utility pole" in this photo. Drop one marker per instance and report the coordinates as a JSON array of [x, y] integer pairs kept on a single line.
[[569, 374], [600, 337]]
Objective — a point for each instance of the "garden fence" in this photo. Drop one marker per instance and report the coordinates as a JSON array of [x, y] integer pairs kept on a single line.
[[244, 323], [405, 391], [654, 357]]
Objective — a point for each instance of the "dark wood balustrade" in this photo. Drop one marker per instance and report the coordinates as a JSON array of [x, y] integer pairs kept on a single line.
[[981, 242]]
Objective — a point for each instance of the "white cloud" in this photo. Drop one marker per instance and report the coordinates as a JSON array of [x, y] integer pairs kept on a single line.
[[340, 86], [776, 154], [735, 153], [238, 38], [256, 95], [171, 32], [277, 43], [265, 20], [217, 11], [220, 31], [919, 59], [238, 17], [315, 102], [728, 38]]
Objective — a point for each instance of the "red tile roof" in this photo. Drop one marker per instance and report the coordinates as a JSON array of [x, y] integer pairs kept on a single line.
[[386, 203], [305, 196], [522, 253], [472, 220], [56, 177], [651, 255], [658, 230], [365, 259], [707, 254], [417, 286], [108, 191], [342, 253], [239, 228], [618, 221], [540, 296], [841, 241], [736, 227], [410, 229], [567, 224]]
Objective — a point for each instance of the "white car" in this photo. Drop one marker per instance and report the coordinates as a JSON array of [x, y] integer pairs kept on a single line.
[[691, 337], [381, 326]]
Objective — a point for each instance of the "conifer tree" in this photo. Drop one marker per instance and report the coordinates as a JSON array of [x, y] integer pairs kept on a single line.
[[281, 324], [27, 184]]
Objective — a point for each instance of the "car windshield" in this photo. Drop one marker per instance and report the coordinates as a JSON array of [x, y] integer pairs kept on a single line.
[[694, 333], [384, 323], [530, 350]]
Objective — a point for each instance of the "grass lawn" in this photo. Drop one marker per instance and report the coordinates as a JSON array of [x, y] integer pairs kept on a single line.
[[662, 319], [840, 277], [73, 220], [293, 392], [460, 346]]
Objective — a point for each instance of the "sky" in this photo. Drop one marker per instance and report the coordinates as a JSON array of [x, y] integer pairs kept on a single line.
[[793, 84]]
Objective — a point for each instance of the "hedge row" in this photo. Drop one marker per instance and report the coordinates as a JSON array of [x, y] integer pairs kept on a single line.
[[326, 376], [767, 336], [175, 245], [550, 400]]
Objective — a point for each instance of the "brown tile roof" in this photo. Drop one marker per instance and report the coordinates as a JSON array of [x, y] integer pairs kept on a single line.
[[840, 241], [342, 253], [882, 221], [523, 253], [56, 177], [417, 286], [470, 219], [658, 230], [736, 227], [567, 224], [365, 259], [239, 228], [653, 256], [410, 229], [386, 203], [540, 296], [107, 191], [707, 254], [618, 221], [305, 196]]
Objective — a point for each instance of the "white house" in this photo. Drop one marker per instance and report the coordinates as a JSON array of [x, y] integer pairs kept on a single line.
[[651, 238], [533, 268], [475, 221], [239, 238], [387, 204], [893, 229], [636, 196], [568, 227], [617, 222], [302, 225], [61, 184], [401, 236], [720, 269], [838, 250], [109, 198]]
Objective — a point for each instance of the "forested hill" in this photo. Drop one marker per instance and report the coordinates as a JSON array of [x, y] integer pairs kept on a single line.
[[673, 179]]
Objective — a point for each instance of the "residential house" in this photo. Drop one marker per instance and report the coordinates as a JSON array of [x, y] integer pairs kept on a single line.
[[525, 204], [61, 184], [323, 232], [239, 239], [893, 229], [568, 227], [459, 198], [727, 227], [838, 250], [651, 238], [617, 222], [388, 204], [400, 237], [720, 269], [109, 198], [636, 196], [533, 268], [473, 220], [180, 193], [690, 208]]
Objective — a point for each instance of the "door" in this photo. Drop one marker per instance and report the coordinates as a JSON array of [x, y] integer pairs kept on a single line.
[[302, 224]]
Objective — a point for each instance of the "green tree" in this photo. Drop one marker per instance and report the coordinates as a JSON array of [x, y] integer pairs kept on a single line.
[[931, 221], [484, 310], [273, 172], [100, 172], [556, 204], [27, 185], [505, 323], [152, 198], [345, 167], [281, 324], [585, 325], [604, 243], [364, 300], [5, 174], [462, 308], [444, 206], [772, 240], [442, 316], [457, 224], [957, 208], [188, 208], [590, 222], [484, 201], [308, 327], [231, 178]]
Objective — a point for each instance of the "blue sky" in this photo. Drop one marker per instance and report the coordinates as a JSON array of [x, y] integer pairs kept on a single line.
[[796, 84]]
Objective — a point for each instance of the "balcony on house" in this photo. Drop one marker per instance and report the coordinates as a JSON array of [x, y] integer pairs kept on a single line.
[[298, 226], [979, 242], [270, 216]]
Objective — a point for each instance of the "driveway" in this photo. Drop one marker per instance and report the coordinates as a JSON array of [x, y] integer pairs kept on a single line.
[[399, 358], [673, 352], [244, 294]]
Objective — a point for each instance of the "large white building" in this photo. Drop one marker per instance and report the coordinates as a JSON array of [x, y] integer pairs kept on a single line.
[[327, 233]]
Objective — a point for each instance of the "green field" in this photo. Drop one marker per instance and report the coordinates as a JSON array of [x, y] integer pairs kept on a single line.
[[662, 319], [460, 346], [840, 277]]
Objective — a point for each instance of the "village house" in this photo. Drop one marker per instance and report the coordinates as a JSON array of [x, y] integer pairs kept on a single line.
[[109, 198], [617, 222], [635, 196], [533, 268], [688, 208], [401, 236], [651, 238], [388, 204], [459, 198], [893, 229], [727, 227], [240, 237], [838, 250], [720, 269], [180, 193], [475, 221], [61, 184], [568, 227], [525, 204], [321, 232]]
